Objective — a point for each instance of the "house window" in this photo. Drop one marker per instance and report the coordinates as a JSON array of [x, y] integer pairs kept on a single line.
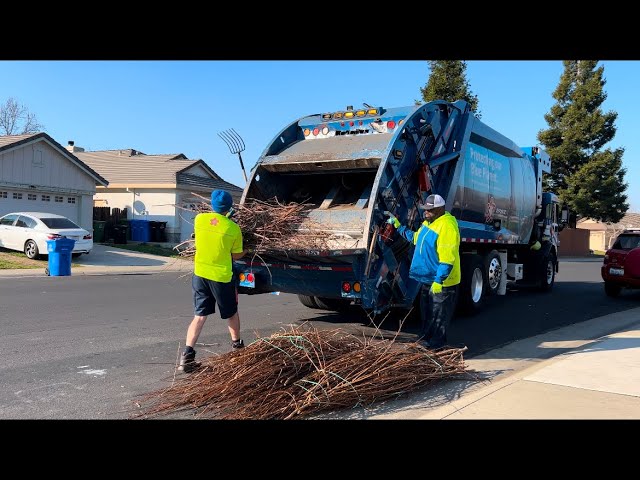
[[32, 196], [3, 194], [71, 200], [17, 196], [46, 198], [59, 199]]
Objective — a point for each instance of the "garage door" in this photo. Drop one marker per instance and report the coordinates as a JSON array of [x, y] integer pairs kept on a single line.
[[25, 201]]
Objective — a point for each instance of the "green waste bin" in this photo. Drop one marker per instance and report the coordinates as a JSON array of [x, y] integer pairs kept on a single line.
[[98, 231]]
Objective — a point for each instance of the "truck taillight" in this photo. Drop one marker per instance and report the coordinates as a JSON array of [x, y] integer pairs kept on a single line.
[[606, 258], [87, 237], [346, 287], [391, 124], [316, 131]]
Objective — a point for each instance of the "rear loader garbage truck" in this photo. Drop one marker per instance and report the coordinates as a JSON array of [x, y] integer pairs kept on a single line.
[[354, 165]]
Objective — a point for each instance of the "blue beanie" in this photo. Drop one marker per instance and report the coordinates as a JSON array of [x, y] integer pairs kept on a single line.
[[221, 201]]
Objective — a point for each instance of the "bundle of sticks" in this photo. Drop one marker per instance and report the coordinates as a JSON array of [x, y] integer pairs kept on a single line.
[[269, 226], [300, 372]]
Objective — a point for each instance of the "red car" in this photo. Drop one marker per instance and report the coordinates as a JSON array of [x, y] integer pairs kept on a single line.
[[621, 267]]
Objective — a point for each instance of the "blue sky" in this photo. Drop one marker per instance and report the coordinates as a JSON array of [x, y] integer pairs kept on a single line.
[[180, 106]]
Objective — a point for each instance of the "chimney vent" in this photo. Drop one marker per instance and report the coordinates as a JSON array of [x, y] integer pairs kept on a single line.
[[71, 143]]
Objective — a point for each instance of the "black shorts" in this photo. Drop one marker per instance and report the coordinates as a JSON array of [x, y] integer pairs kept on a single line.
[[206, 293]]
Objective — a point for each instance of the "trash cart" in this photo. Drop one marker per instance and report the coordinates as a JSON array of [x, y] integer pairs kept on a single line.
[[98, 231], [59, 250]]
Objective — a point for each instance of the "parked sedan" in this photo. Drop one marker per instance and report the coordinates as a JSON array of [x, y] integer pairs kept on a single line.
[[28, 232], [621, 266]]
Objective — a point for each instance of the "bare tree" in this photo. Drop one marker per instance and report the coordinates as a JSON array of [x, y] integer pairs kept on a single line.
[[16, 119]]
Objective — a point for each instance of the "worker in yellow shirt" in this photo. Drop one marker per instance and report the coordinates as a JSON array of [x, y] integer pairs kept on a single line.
[[218, 241]]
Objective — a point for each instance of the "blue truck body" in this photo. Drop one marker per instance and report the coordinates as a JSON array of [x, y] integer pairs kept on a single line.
[[353, 165]]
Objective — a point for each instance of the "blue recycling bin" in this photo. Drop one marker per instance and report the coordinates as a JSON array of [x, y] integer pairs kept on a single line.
[[59, 251], [140, 230]]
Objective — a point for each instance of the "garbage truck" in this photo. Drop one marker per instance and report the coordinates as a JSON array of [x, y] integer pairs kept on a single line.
[[353, 165]]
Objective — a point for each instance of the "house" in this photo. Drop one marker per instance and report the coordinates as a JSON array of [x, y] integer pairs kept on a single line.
[[37, 174], [602, 235], [154, 187]]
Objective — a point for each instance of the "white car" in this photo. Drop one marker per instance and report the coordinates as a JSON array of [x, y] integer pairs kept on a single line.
[[28, 232]]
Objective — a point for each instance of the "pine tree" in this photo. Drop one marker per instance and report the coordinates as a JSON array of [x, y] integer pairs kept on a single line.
[[448, 81], [587, 178]]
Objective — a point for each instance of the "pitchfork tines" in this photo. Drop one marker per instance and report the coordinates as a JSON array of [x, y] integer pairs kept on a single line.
[[236, 145]]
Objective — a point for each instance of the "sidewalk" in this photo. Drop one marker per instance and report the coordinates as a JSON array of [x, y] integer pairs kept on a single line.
[[590, 370]]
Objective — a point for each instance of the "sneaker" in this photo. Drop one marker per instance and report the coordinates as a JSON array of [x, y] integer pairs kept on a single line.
[[236, 344], [188, 362]]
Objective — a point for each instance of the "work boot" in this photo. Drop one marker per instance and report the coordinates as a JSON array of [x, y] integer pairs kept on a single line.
[[237, 344], [188, 362]]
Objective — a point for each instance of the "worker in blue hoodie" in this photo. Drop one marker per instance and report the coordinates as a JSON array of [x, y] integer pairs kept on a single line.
[[436, 265]]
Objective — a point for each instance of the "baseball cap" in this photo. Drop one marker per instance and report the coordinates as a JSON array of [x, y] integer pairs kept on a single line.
[[221, 201], [433, 201]]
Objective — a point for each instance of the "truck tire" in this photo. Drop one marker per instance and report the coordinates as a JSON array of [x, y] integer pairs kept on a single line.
[[547, 272], [494, 271], [471, 293], [308, 301], [612, 289], [333, 304]]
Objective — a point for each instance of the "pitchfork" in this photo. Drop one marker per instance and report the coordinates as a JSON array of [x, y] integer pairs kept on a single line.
[[235, 144]]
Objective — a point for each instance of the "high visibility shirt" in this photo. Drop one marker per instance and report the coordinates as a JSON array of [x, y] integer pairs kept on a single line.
[[217, 238], [436, 257]]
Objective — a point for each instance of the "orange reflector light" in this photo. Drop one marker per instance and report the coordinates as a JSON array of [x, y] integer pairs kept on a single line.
[[361, 113], [346, 287], [356, 287], [306, 132], [348, 114], [242, 277], [373, 111], [391, 124], [400, 122]]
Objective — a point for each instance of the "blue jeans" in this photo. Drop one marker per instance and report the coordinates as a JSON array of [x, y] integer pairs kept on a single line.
[[436, 311]]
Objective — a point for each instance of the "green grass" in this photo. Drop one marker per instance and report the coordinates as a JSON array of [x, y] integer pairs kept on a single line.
[[599, 252], [9, 265], [147, 248]]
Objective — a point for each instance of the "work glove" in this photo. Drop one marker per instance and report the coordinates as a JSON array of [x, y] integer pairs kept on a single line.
[[436, 287], [393, 220]]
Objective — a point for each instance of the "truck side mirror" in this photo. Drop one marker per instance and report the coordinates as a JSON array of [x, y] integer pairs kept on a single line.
[[564, 216]]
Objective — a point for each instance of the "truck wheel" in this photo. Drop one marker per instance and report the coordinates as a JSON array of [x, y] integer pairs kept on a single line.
[[494, 271], [334, 304], [612, 289], [547, 275], [472, 285], [308, 301]]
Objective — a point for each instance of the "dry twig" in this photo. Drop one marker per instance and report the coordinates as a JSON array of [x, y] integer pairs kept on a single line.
[[300, 372]]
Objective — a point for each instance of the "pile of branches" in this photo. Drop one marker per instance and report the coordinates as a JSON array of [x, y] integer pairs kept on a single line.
[[302, 372], [270, 226]]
